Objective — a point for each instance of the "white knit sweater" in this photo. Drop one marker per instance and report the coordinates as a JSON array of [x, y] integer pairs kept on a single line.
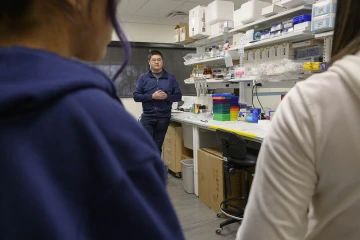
[[307, 180]]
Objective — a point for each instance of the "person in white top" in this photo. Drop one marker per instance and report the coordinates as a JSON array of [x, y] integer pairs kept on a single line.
[[307, 179]]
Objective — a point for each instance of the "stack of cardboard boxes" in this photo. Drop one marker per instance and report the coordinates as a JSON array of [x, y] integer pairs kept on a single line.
[[181, 34]]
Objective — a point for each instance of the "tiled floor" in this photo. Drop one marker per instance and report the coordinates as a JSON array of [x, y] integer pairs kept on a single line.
[[197, 220]]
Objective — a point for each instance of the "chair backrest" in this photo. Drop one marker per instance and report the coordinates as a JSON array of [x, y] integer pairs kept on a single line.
[[232, 145]]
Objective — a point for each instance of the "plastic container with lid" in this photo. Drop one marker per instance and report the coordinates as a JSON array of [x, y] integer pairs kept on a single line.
[[198, 28], [219, 11], [213, 52], [251, 10]]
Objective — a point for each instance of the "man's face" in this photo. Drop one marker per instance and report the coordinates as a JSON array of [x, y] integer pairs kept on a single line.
[[156, 62]]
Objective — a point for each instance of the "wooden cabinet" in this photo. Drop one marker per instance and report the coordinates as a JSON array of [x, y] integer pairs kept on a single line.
[[173, 148]]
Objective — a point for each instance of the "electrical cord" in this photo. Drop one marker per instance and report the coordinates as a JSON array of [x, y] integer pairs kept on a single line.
[[258, 98], [252, 96]]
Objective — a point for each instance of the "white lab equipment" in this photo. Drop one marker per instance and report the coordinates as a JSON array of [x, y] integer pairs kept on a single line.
[[271, 10], [296, 3], [323, 8], [217, 28], [305, 26], [251, 10], [237, 18], [219, 11], [323, 23], [198, 28]]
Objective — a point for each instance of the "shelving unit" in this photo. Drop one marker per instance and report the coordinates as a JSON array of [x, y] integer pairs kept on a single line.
[[210, 81], [268, 22], [328, 42], [212, 61], [261, 23], [290, 37], [244, 79], [324, 35], [212, 40]]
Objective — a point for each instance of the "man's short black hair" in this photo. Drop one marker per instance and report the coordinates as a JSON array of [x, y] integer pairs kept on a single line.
[[152, 53]]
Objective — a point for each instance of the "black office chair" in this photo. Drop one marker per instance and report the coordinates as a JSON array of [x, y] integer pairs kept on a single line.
[[236, 157]]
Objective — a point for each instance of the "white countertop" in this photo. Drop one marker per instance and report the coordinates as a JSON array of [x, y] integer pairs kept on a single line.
[[255, 131]]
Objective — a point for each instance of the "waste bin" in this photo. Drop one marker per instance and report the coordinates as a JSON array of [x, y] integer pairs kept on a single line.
[[188, 175]]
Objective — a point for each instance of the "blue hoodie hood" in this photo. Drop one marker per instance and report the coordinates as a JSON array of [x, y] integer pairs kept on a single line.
[[31, 78], [74, 164]]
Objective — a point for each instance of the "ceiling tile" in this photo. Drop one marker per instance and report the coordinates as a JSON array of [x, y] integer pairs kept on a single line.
[[201, 2], [142, 19], [130, 7], [170, 22], [154, 11], [158, 8], [124, 18], [187, 6]]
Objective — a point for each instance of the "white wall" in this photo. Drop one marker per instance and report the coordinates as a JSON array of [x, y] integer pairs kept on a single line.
[[138, 32], [134, 108]]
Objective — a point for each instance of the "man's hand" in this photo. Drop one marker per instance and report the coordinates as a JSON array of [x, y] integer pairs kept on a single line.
[[159, 95]]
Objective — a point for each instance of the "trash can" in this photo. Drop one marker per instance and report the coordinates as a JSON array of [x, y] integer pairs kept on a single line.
[[188, 175]]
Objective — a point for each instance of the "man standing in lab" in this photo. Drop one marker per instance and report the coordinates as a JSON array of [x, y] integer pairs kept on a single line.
[[157, 90]]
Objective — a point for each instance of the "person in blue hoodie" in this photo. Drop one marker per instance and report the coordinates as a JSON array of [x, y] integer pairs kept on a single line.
[[157, 90], [73, 163]]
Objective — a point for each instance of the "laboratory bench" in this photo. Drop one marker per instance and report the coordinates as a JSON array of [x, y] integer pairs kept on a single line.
[[197, 130]]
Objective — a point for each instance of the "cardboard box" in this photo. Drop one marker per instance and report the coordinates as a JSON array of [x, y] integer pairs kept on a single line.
[[184, 34], [211, 179], [177, 34]]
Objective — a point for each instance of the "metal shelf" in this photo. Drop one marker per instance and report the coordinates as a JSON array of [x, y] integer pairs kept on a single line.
[[244, 79], [268, 22], [212, 40], [324, 35], [212, 61], [290, 37], [211, 81]]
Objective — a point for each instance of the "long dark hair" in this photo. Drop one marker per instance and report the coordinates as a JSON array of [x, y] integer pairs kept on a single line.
[[346, 34], [122, 37], [16, 9]]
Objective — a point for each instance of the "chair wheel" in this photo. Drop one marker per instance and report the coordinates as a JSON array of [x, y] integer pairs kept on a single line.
[[218, 231], [219, 215]]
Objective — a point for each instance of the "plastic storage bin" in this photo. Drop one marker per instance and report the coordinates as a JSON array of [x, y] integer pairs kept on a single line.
[[324, 7], [219, 11], [302, 18], [296, 3], [198, 28], [251, 10], [271, 10], [323, 23], [237, 18], [188, 175]]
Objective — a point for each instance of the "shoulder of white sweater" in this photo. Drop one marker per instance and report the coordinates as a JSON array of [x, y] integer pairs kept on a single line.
[[321, 85]]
